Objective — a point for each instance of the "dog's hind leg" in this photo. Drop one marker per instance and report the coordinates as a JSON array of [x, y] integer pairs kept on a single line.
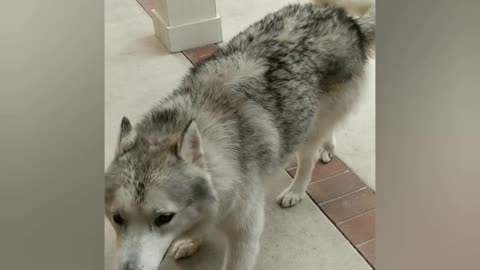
[[319, 144], [327, 151]]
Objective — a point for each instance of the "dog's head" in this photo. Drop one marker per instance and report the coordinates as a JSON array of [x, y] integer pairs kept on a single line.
[[156, 190]]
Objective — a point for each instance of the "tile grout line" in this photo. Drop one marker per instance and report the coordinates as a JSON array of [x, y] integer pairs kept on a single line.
[[328, 178], [336, 225], [342, 233], [322, 179], [317, 181], [366, 242], [350, 169], [342, 196], [357, 216]]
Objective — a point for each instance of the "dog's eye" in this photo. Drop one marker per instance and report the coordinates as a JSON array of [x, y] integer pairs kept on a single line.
[[118, 220], [163, 219]]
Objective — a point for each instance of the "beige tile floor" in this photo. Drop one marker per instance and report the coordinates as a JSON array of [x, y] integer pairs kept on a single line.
[[139, 71]]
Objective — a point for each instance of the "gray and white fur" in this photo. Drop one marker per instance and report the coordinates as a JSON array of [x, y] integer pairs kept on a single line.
[[198, 159]]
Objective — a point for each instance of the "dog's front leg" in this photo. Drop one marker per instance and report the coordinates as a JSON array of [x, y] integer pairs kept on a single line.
[[241, 252], [243, 233], [185, 247]]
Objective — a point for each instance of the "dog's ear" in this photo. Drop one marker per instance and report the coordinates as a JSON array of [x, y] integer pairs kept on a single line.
[[127, 137], [190, 147]]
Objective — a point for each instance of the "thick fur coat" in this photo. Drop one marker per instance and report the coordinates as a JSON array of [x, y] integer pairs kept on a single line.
[[198, 159]]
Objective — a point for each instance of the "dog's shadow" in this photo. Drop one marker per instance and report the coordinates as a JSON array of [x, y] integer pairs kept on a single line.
[[209, 256]]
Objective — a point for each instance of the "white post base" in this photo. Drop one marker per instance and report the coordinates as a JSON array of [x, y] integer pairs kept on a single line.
[[187, 36], [186, 24]]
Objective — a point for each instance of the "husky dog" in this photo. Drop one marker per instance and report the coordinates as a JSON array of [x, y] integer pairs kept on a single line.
[[198, 159]]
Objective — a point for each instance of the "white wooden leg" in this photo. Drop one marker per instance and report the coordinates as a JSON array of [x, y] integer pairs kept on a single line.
[[186, 24]]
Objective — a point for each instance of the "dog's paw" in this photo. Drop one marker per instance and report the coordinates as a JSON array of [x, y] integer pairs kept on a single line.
[[327, 156], [289, 198], [185, 248], [328, 150]]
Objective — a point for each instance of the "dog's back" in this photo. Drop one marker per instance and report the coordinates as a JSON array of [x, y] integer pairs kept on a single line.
[[290, 66], [260, 94], [286, 77]]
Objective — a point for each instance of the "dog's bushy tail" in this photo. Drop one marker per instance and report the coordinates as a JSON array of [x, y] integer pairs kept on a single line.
[[353, 7], [367, 24], [363, 11]]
